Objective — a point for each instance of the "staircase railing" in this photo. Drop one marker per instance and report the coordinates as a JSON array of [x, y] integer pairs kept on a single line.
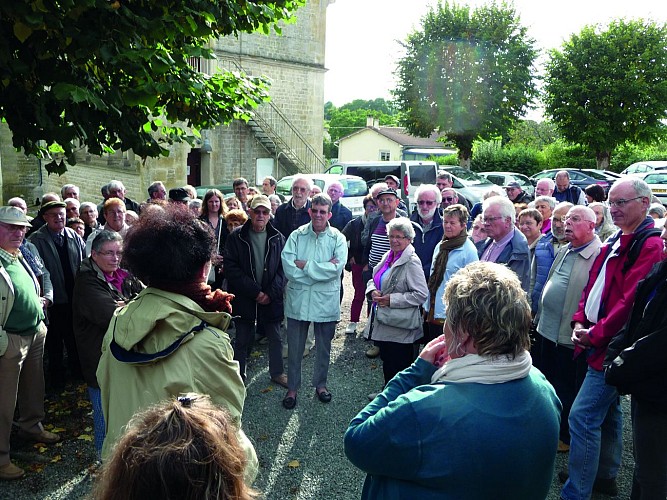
[[289, 143]]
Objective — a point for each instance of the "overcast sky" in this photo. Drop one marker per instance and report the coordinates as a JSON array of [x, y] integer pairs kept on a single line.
[[362, 35]]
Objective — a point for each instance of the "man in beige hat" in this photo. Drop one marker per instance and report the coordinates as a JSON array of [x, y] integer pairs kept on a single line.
[[255, 276], [22, 335]]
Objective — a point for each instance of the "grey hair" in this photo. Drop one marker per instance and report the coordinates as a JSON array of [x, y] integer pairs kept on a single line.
[[276, 198], [402, 224], [378, 187], [73, 201], [445, 175], [322, 199], [429, 188], [550, 182], [641, 188], [105, 237], [115, 185], [154, 187], [494, 191], [302, 178], [563, 204], [658, 209], [66, 187], [547, 199], [590, 215], [88, 204], [563, 173], [504, 204]]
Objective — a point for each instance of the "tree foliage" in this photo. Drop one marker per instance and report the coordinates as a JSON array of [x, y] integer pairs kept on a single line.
[[467, 74], [532, 134], [605, 88], [114, 74]]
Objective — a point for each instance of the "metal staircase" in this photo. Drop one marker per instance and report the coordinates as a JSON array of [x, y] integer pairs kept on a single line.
[[278, 135]]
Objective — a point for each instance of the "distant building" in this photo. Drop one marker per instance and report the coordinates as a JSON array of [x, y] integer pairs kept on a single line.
[[374, 143]]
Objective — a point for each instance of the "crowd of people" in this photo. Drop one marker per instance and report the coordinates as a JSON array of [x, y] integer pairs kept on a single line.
[[515, 319]]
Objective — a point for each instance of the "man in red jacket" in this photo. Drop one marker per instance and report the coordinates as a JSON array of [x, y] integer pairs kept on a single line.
[[595, 419]]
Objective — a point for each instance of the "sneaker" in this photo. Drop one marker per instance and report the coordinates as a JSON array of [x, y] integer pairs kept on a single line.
[[280, 380], [351, 328], [45, 437], [373, 352], [9, 472]]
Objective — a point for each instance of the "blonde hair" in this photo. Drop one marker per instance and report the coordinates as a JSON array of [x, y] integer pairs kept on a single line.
[[486, 301]]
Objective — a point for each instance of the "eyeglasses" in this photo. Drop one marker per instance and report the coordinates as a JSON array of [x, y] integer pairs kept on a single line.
[[448, 198], [371, 208], [298, 188], [397, 238], [489, 220], [111, 253], [425, 202], [621, 203], [13, 227]]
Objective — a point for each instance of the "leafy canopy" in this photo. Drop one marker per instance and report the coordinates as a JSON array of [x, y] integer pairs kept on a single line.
[[109, 74], [467, 74], [607, 87]]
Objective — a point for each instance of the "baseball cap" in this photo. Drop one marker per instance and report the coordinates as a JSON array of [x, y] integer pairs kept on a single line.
[[14, 216], [513, 184], [393, 178], [260, 200]]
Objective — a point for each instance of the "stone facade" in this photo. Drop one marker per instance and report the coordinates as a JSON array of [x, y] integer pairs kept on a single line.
[[293, 62]]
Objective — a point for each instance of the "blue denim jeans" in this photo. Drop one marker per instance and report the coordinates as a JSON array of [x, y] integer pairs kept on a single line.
[[596, 443]]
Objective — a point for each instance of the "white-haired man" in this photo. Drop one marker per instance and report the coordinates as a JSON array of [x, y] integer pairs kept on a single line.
[[505, 244], [294, 214], [428, 224], [552, 348]]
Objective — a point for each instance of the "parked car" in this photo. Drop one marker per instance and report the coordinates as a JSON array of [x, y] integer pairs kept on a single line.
[[354, 188], [657, 181], [642, 167], [412, 174], [225, 189], [504, 178], [470, 184], [579, 177]]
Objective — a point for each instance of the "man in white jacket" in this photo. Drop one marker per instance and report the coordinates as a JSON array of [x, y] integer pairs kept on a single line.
[[313, 260]]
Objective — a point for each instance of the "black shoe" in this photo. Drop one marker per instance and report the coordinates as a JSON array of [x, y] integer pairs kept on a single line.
[[604, 486], [324, 396], [289, 402]]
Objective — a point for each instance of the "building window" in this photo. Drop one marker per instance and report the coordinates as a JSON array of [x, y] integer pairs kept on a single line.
[[385, 155]]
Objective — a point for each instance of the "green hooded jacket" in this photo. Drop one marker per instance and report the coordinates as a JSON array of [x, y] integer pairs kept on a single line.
[[165, 345]]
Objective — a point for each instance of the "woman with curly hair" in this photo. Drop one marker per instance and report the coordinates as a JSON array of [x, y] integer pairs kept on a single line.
[[170, 338], [182, 449]]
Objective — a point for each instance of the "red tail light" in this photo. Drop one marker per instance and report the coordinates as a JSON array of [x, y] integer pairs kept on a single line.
[[405, 184]]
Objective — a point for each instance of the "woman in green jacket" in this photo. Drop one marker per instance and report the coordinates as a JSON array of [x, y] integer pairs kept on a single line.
[[171, 338]]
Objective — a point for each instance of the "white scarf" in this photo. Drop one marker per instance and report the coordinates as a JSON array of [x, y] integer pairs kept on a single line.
[[473, 368]]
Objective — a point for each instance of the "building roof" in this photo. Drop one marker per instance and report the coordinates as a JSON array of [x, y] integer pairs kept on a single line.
[[399, 136]]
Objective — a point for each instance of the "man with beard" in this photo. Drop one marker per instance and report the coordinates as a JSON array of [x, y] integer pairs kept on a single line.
[[428, 224]]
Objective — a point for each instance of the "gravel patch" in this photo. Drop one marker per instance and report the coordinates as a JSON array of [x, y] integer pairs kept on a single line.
[[300, 451]]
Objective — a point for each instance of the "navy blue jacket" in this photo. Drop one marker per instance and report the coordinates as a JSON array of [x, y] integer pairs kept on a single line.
[[340, 216], [240, 274], [425, 242], [288, 218]]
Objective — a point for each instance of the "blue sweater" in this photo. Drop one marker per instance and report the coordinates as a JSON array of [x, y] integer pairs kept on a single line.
[[467, 440]]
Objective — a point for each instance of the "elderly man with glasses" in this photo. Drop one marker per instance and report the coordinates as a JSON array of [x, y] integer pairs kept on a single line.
[[294, 213], [428, 224], [505, 244]]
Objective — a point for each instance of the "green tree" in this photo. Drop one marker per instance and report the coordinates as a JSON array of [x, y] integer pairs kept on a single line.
[[532, 134], [605, 88], [114, 74], [467, 74]]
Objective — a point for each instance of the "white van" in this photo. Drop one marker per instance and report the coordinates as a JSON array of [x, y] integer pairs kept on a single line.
[[354, 189], [411, 173]]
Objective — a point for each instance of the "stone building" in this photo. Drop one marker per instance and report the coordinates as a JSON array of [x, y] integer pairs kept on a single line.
[[285, 137]]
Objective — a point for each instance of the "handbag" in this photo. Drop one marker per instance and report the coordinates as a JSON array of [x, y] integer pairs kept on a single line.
[[407, 318]]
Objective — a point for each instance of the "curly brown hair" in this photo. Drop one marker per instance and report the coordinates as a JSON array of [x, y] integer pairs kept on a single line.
[[183, 449]]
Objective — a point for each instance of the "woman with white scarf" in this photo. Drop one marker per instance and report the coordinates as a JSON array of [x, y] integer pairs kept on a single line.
[[471, 418]]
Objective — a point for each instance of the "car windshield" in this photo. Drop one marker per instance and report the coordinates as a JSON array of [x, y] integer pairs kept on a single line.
[[656, 179], [354, 187], [468, 177], [597, 175]]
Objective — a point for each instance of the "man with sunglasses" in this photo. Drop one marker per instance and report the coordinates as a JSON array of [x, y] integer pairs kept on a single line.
[[427, 224]]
